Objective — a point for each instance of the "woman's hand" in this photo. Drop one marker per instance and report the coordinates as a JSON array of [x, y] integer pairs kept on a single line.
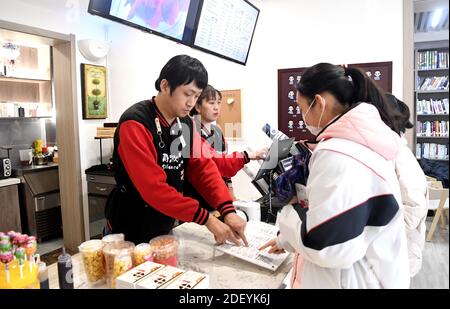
[[274, 248], [260, 154]]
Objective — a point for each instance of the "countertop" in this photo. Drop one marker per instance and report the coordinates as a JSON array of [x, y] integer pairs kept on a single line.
[[197, 253], [21, 170], [9, 182]]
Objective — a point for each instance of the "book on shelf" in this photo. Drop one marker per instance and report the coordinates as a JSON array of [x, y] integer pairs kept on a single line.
[[432, 151], [432, 107], [432, 128], [432, 59], [433, 83]]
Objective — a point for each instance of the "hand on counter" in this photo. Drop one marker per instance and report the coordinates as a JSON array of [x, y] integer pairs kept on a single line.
[[237, 225], [274, 248], [221, 231]]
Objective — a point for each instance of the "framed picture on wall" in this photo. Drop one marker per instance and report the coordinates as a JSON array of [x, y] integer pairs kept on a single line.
[[94, 91]]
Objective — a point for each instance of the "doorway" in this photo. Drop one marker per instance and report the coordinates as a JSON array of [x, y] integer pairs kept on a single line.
[[63, 68]]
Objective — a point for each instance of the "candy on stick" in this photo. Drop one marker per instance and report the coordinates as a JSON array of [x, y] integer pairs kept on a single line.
[[12, 234], [20, 255], [31, 249], [6, 257], [5, 245]]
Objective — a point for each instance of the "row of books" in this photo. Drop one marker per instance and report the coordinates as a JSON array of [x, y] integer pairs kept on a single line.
[[432, 151], [432, 107], [433, 83], [432, 59], [432, 128]]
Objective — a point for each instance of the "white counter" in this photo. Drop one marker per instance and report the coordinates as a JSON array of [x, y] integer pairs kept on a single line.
[[197, 253], [9, 182]]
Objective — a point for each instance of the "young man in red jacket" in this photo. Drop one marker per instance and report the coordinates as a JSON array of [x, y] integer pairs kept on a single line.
[[156, 149]]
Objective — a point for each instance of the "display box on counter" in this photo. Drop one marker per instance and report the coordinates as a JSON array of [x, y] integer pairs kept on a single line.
[[159, 278], [189, 280], [150, 275], [129, 279]]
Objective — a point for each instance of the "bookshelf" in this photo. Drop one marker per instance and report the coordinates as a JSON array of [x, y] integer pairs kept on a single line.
[[432, 100]]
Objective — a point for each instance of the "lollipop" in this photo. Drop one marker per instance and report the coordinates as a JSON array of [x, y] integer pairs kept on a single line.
[[20, 239], [31, 249], [5, 245], [12, 234], [20, 255], [6, 257]]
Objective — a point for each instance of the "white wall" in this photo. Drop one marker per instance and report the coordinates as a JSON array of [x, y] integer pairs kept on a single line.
[[290, 33], [68, 17]]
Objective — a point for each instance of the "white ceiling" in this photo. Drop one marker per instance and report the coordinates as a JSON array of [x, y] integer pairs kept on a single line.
[[423, 14]]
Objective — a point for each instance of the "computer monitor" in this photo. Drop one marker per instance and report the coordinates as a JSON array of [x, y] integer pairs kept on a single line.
[[278, 150]]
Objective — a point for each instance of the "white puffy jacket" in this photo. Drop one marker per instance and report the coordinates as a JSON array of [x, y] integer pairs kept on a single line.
[[414, 190], [351, 234]]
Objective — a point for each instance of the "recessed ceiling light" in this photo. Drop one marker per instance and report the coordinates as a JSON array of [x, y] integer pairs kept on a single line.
[[436, 18]]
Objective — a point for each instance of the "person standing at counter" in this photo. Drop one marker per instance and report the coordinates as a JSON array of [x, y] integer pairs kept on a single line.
[[156, 150], [205, 113], [350, 231]]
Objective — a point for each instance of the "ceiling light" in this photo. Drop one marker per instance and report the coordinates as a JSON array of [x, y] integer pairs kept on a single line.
[[436, 18]]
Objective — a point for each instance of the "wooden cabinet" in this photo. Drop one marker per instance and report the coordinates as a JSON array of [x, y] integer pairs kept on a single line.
[[9, 209]]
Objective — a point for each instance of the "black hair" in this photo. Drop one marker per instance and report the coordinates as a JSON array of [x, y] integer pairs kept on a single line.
[[350, 86], [209, 93], [182, 70], [402, 119]]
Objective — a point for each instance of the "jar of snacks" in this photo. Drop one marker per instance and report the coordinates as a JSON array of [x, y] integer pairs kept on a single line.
[[92, 254], [112, 238], [142, 253], [118, 260], [164, 249]]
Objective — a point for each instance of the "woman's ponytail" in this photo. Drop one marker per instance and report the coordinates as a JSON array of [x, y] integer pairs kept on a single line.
[[365, 90]]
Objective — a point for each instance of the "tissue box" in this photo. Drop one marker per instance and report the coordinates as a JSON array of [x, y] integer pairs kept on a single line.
[[189, 280], [129, 279], [159, 278]]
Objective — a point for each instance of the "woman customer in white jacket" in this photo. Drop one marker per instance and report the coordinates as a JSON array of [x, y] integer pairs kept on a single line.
[[414, 189], [350, 232]]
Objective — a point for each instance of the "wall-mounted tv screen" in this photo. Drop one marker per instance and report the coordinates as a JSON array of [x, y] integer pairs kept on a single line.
[[172, 19], [226, 27]]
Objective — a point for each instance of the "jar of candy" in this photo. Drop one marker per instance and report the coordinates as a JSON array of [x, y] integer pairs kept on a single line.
[[93, 261], [164, 249], [112, 238], [142, 253], [118, 260]]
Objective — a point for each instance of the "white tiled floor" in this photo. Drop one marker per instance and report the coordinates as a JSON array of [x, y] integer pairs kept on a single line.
[[435, 265]]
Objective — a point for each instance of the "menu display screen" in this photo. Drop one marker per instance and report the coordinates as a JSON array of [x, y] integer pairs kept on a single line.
[[226, 28]]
